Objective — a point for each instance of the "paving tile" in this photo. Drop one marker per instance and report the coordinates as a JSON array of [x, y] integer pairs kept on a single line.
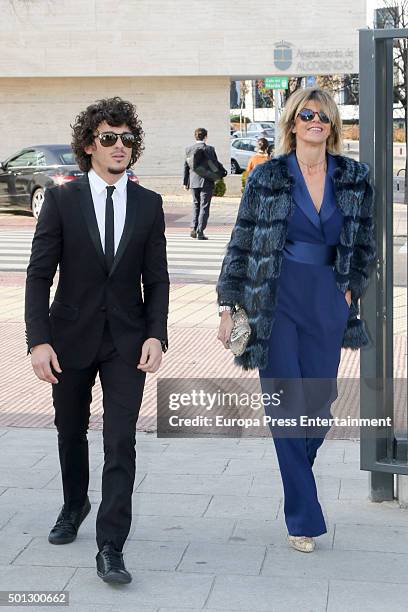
[[196, 483], [328, 488], [81, 608], [31, 440], [183, 528], [234, 506], [44, 578], [384, 538], [352, 453], [167, 504], [51, 461], [36, 518], [11, 546], [364, 511], [154, 555], [250, 593], [27, 523], [25, 477], [336, 564], [329, 454], [353, 488], [341, 470], [355, 596], [206, 609], [269, 532], [6, 514], [220, 451], [210, 558], [34, 499], [144, 445], [265, 485], [179, 465], [20, 459], [148, 588], [95, 481], [252, 466], [200, 445], [270, 485], [166, 609], [140, 554], [325, 454]]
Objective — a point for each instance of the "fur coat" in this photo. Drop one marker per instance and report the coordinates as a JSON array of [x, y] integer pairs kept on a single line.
[[251, 266]]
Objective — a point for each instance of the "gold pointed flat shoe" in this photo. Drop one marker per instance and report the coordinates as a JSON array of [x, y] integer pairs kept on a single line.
[[302, 543]]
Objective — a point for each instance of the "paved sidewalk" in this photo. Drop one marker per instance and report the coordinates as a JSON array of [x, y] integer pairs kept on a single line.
[[208, 531]]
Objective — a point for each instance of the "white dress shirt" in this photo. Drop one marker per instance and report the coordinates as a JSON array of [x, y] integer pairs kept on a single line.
[[119, 197]]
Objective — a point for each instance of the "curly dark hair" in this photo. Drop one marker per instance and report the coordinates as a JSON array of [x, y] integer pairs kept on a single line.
[[114, 111]]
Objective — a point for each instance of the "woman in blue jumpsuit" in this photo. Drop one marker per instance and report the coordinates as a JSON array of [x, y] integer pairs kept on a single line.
[[299, 254], [310, 318]]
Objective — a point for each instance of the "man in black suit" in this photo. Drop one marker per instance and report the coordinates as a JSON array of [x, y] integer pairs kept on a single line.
[[202, 188], [106, 233]]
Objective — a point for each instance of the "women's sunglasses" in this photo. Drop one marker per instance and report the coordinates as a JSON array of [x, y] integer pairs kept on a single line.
[[307, 114], [108, 139]]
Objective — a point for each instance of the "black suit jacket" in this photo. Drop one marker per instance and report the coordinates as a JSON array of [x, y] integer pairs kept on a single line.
[[67, 234]]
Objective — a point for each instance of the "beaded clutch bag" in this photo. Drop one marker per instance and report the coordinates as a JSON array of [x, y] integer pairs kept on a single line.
[[240, 332]]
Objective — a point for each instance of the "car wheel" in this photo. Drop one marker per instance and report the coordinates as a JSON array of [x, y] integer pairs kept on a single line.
[[37, 200], [235, 169]]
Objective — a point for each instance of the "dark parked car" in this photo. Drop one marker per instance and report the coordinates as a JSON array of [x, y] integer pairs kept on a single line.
[[25, 176]]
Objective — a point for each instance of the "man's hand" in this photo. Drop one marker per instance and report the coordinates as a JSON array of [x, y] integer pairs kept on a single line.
[[42, 357], [151, 356], [348, 296]]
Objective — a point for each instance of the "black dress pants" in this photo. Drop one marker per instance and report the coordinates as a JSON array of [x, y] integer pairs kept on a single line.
[[122, 387]]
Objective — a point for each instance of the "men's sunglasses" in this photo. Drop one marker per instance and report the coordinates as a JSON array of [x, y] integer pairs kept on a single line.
[[307, 114], [108, 139]]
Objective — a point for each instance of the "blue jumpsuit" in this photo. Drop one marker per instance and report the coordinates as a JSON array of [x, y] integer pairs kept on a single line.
[[305, 343]]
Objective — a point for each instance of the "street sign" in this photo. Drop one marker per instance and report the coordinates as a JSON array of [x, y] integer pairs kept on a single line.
[[276, 82]]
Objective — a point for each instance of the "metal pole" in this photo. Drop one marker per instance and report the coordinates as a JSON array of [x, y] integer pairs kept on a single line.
[[276, 105], [376, 306], [253, 85]]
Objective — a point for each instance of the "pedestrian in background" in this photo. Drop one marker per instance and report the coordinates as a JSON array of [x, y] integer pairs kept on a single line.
[[202, 188], [261, 155]]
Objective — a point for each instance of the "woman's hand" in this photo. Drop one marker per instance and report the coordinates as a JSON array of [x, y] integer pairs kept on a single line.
[[225, 328], [348, 296]]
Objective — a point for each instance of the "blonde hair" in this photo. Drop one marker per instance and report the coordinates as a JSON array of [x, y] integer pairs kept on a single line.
[[295, 103]]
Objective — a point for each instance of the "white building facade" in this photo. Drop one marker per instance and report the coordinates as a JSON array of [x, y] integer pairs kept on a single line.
[[174, 60]]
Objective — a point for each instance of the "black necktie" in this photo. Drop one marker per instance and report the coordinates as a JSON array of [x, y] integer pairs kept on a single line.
[[109, 228]]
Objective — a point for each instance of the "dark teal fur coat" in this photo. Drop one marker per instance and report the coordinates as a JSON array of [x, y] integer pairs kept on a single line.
[[251, 266]]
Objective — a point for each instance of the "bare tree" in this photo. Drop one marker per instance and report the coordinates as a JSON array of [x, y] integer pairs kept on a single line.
[[293, 84], [243, 91]]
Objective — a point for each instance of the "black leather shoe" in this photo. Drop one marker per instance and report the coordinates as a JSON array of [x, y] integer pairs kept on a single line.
[[110, 566], [193, 234], [201, 236], [66, 528]]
